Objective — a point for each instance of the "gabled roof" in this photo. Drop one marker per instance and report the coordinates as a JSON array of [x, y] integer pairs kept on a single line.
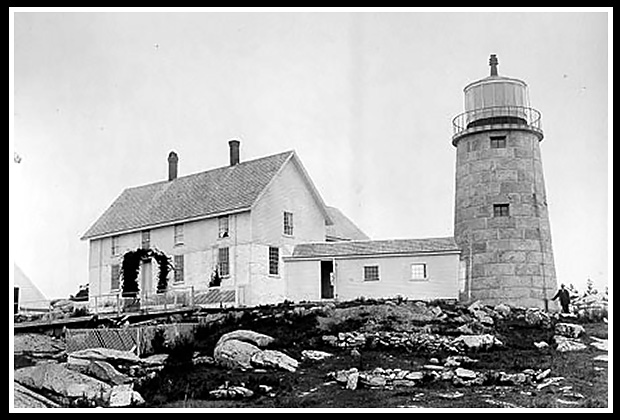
[[342, 228], [206, 194], [28, 291], [375, 247]]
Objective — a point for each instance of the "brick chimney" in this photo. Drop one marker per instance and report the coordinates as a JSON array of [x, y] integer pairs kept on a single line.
[[173, 166], [234, 152]]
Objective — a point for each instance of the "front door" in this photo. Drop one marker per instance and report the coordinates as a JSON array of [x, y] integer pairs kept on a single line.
[[327, 279], [146, 278]]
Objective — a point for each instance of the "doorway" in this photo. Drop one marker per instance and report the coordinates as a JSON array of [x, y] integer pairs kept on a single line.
[[146, 278], [327, 282]]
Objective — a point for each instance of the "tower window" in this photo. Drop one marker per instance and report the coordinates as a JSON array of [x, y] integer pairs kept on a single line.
[[501, 210], [498, 142]]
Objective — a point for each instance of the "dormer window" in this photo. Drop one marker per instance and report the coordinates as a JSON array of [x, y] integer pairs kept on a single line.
[[224, 231]]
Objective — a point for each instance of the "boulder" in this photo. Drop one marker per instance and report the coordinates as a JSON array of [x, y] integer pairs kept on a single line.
[[37, 344], [315, 354], [569, 330], [542, 375], [273, 359], [155, 359], [54, 379], [513, 379], [375, 381], [101, 370], [352, 380], [465, 373], [502, 310], [403, 383], [342, 376], [108, 355], [533, 317], [564, 344], [332, 340], [483, 317], [541, 344], [600, 344], [477, 305], [247, 336], [124, 396], [231, 392], [235, 354], [477, 342], [25, 398], [414, 376]]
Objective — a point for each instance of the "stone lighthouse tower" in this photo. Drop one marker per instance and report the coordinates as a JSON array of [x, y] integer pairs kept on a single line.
[[501, 220]]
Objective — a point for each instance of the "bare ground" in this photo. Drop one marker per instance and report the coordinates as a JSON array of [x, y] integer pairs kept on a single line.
[[181, 384]]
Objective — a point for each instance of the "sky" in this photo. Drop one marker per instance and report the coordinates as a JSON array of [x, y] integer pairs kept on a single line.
[[366, 99]]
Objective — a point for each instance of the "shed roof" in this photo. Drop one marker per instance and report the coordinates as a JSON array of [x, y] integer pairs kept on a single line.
[[375, 247]]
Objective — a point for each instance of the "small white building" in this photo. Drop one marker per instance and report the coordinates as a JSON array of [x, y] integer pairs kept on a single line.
[[421, 269]]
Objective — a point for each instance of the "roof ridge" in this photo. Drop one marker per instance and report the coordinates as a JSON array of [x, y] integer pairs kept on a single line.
[[242, 163], [377, 240]]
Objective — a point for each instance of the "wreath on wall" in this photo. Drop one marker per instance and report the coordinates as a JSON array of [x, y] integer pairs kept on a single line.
[[130, 268]]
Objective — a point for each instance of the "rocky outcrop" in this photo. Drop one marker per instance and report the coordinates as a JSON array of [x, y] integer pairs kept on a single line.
[[273, 359], [107, 355], [101, 370], [124, 396], [226, 392], [235, 354], [247, 336], [25, 398], [315, 354], [240, 350], [68, 385], [569, 330], [564, 344], [477, 342]]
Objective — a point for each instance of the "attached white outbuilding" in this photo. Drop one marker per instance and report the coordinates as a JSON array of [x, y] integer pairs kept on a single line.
[[421, 269]]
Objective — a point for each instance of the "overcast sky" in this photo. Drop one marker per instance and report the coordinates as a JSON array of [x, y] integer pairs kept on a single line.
[[365, 99]]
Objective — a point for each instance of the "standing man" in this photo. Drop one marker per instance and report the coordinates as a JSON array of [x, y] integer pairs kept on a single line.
[[564, 297]]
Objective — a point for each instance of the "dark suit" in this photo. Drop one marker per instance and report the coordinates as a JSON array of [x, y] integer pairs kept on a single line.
[[564, 297]]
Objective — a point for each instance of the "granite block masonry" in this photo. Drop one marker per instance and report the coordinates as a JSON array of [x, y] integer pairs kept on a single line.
[[501, 217]]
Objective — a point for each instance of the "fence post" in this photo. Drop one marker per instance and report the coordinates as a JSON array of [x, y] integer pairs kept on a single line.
[[165, 300], [118, 304], [191, 296], [96, 305]]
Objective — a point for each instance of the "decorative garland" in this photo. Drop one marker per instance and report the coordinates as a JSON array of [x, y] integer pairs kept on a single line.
[[130, 268]]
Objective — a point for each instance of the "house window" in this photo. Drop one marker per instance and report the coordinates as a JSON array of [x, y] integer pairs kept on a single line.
[[371, 273], [115, 277], [498, 142], [274, 260], [223, 227], [418, 271], [288, 223], [223, 262], [179, 234], [501, 210], [146, 239], [115, 247], [179, 263]]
